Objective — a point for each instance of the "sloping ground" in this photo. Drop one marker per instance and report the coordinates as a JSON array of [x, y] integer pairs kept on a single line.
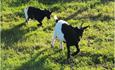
[[27, 47]]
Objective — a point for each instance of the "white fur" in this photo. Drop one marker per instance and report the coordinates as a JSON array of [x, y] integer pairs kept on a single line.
[[25, 11], [55, 17], [58, 33]]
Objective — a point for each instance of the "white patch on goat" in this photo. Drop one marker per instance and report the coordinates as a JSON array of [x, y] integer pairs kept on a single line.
[[58, 32], [55, 17], [25, 11]]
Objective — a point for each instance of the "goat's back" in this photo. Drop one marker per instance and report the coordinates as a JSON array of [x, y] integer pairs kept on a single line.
[[70, 34]]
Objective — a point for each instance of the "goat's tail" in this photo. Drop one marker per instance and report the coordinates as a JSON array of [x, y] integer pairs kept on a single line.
[[56, 19], [25, 11]]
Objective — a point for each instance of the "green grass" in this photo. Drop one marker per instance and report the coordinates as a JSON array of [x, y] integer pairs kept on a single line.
[[27, 47]]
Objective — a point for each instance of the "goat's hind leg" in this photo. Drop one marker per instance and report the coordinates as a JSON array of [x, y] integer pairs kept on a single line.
[[39, 24], [61, 45], [52, 43], [77, 50], [68, 51], [26, 21]]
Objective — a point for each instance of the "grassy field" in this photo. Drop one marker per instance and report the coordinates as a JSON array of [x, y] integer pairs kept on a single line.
[[27, 47]]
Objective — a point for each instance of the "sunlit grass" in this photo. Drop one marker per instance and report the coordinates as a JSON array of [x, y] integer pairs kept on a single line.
[[27, 47]]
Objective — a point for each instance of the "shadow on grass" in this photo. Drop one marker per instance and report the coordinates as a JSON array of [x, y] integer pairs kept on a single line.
[[91, 6], [100, 17], [37, 64], [13, 35], [16, 3], [50, 2], [13, 16], [96, 59]]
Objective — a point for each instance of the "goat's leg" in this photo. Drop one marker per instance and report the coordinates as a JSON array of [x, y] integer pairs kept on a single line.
[[39, 24], [52, 43], [61, 45], [78, 50], [26, 21], [68, 51]]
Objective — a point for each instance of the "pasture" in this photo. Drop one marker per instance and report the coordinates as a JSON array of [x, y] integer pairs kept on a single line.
[[27, 47]]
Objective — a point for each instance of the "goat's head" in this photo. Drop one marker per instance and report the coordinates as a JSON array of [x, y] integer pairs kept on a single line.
[[47, 13], [80, 30]]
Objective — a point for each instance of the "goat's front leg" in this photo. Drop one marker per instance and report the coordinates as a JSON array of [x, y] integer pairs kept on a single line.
[[53, 39], [78, 50], [39, 24], [52, 43]]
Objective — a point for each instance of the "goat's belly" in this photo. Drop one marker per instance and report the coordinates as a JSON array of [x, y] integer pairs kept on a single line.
[[61, 37]]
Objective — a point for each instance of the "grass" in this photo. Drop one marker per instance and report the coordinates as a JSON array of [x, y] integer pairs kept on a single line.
[[27, 47]]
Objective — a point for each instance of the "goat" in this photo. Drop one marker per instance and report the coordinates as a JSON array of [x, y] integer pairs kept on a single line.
[[37, 14], [66, 33]]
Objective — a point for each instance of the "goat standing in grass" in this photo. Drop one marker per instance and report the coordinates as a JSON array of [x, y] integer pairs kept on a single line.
[[37, 14], [71, 35]]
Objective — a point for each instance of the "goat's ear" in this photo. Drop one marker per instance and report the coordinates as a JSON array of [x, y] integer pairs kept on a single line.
[[45, 9], [76, 28], [56, 18], [51, 12], [85, 27]]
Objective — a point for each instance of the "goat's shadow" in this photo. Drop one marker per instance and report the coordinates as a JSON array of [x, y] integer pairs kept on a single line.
[[95, 59], [34, 64], [15, 34]]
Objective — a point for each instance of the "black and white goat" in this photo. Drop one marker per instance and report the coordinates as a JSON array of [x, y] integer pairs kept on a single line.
[[66, 33], [37, 14]]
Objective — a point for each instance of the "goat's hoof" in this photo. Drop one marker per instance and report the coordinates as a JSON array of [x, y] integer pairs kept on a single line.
[[39, 25], [52, 46], [68, 57], [61, 48], [73, 54]]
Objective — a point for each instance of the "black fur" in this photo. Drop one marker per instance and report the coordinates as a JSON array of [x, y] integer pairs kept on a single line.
[[37, 14], [72, 36]]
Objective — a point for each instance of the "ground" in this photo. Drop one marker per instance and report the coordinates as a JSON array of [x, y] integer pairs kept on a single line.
[[27, 47]]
